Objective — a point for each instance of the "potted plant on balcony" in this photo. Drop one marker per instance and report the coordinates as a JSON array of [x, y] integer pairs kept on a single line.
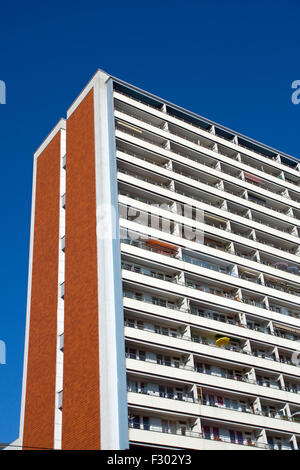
[[284, 417]]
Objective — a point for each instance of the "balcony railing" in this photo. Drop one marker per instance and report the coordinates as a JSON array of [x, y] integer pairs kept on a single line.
[[213, 204], [228, 376], [211, 290], [196, 159], [197, 435], [212, 142], [189, 398], [206, 341], [198, 262], [193, 310]]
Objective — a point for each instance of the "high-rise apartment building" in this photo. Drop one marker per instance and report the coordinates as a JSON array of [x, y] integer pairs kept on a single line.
[[163, 299]]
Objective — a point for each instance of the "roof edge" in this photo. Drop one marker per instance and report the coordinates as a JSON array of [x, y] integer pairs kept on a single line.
[[59, 126]]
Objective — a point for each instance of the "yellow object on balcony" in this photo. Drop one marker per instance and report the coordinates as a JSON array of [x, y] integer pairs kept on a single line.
[[223, 341]]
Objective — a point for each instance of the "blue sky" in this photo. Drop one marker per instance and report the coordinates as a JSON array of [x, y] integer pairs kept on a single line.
[[232, 61]]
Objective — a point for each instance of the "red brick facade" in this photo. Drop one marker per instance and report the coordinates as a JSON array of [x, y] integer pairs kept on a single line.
[[81, 400], [41, 371]]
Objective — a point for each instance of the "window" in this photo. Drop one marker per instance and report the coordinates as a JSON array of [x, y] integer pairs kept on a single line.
[[206, 430], [182, 428], [135, 421], [176, 361], [133, 386], [240, 437], [234, 404], [127, 266], [243, 406], [146, 424], [211, 399], [278, 443], [167, 360], [160, 302], [132, 353], [271, 443], [216, 433], [291, 387], [227, 403], [142, 355]]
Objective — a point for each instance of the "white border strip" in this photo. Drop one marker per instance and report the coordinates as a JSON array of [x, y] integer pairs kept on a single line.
[[26, 346], [91, 84], [60, 301], [113, 394], [60, 125]]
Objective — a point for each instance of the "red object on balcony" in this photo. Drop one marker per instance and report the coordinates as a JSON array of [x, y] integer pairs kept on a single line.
[[162, 246], [252, 178], [220, 401]]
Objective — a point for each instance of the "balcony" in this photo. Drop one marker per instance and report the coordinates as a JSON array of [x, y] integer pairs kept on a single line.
[[211, 288], [60, 400], [61, 342], [63, 243], [185, 403], [184, 442], [62, 290], [131, 150], [225, 379], [209, 339], [251, 161], [238, 229], [273, 205], [230, 294], [231, 319]]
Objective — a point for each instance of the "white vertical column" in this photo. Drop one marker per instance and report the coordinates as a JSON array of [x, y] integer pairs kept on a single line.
[[113, 393], [26, 345], [60, 300]]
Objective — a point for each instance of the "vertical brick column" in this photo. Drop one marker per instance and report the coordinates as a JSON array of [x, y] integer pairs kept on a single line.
[[81, 400], [38, 428]]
